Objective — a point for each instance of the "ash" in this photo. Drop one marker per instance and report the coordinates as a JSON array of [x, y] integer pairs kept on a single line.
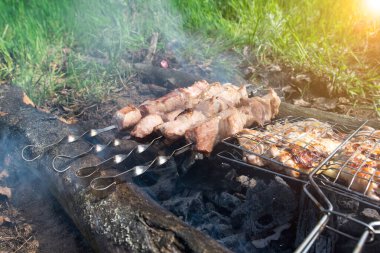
[[243, 213]]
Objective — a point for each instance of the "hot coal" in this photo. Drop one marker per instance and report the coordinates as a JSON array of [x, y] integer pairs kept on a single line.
[[354, 209], [244, 213]]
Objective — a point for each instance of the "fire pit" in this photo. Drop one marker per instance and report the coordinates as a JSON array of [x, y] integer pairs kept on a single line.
[[125, 220], [240, 209]]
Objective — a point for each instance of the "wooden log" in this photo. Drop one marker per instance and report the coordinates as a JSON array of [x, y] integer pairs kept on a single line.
[[126, 220], [287, 109]]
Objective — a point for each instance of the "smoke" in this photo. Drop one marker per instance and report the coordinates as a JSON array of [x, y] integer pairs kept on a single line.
[[121, 30]]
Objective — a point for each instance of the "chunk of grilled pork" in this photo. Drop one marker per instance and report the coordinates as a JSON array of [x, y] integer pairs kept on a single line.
[[127, 117], [146, 125]]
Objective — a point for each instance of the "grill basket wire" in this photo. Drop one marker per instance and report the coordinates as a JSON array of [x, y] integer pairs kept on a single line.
[[275, 137], [341, 165], [235, 156], [354, 170], [308, 179], [370, 230]]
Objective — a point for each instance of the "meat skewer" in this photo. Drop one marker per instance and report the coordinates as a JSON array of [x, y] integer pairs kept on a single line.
[[167, 107], [271, 102], [177, 99], [229, 122], [229, 97], [206, 103]]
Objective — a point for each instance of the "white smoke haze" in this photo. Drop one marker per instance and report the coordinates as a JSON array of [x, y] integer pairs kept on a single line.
[[115, 28]]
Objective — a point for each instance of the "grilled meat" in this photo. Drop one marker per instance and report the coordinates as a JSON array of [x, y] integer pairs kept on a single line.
[[303, 145], [300, 146], [175, 129], [172, 104], [168, 105], [229, 122], [146, 125], [127, 117], [180, 98], [170, 116], [357, 165], [205, 135], [227, 96], [359, 175], [212, 100]]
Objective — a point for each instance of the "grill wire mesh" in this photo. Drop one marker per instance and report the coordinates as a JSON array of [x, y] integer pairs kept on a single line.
[[354, 170], [351, 168], [297, 143]]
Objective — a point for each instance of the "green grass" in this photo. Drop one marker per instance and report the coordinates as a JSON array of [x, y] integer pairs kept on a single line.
[[45, 46], [326, 37]]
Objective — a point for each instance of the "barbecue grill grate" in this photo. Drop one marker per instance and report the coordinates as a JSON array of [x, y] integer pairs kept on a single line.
[[354, 170], [285, 134], [369, 229], [337, 162]]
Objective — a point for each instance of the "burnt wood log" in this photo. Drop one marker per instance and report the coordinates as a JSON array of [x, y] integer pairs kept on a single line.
[[287, 109], [308, 217], [125, 220], [170, 77]]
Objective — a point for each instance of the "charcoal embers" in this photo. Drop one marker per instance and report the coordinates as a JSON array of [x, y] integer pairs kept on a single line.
[[245, 214]]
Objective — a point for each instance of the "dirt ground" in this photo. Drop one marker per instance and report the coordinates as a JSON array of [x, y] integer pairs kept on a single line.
[[31, 219]]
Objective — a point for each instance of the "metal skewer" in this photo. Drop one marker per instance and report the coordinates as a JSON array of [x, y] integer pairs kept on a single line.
[[104, 183], [117, 159], [94, 148], [68, 139]]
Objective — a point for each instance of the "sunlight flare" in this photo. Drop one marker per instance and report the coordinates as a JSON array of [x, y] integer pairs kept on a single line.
[[373, 6]]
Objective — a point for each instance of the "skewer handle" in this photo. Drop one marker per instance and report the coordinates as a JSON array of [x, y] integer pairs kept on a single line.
[[104, 183], [41, 152], [69, 139]]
